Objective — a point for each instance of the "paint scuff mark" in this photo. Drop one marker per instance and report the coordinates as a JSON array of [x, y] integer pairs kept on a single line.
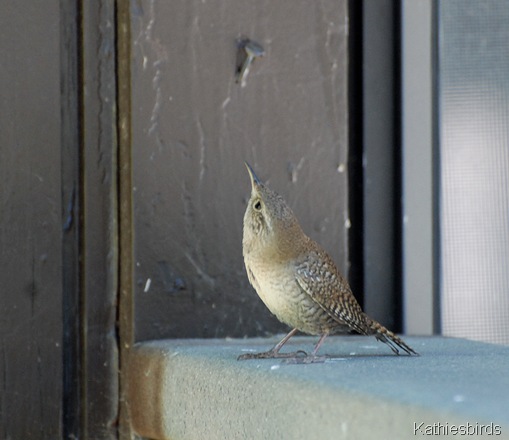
[[293, 169], [201, 273], [152, 48]]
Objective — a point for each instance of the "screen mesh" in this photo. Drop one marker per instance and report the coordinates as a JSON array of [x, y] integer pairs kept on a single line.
[[473, 99]]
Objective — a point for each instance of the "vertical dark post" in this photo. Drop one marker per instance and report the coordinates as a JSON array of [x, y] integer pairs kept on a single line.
[[73, 398], [380, 161], [355, 151], [99, 221], [125, 319]]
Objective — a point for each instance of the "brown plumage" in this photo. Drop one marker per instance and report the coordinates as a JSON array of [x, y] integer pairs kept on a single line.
[[297, 280]]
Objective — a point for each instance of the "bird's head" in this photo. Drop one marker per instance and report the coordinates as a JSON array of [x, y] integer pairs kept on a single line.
[[269, 223]]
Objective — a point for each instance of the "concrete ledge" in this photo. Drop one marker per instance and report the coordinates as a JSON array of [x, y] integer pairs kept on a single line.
[[196, 389]]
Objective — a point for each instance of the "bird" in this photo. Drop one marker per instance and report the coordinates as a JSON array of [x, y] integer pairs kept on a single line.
[[298, 281]]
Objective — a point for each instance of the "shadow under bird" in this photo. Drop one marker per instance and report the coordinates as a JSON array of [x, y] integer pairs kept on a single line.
[[298, 281]]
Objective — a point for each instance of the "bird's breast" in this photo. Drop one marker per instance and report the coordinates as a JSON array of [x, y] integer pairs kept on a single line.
[[277, 287], [275, 284]]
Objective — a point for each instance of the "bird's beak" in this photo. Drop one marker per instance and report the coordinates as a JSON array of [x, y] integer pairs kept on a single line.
[[255, 182]]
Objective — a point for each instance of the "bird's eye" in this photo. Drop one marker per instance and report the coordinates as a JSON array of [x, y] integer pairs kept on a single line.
[[258, 205]]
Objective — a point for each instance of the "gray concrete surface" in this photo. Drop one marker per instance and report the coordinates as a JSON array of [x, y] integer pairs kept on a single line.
[[195, 389]]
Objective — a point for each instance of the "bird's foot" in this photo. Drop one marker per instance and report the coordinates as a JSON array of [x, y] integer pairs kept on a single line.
[[273, 354], [310, 359]]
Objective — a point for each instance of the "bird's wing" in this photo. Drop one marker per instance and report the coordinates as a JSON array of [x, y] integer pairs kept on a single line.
[[318, 276]]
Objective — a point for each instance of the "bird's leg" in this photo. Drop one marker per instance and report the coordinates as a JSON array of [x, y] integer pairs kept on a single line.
[[319, 344], [274, 353]]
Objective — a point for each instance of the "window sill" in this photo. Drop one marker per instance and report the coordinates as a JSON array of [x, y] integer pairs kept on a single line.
[[189, 389]]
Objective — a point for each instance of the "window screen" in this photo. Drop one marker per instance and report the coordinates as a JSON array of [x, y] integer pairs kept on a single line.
[[473, 104]]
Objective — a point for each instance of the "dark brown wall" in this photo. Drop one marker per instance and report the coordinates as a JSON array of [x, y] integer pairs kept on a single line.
[[193, 127]]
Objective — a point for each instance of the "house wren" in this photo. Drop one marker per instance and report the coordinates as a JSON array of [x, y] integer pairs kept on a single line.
[[297, 280]]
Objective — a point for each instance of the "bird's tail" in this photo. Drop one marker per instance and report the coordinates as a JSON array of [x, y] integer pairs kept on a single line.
[[389, 338]]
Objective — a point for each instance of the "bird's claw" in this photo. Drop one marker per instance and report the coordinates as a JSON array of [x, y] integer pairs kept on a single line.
[[310, 359], [273, 355]]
